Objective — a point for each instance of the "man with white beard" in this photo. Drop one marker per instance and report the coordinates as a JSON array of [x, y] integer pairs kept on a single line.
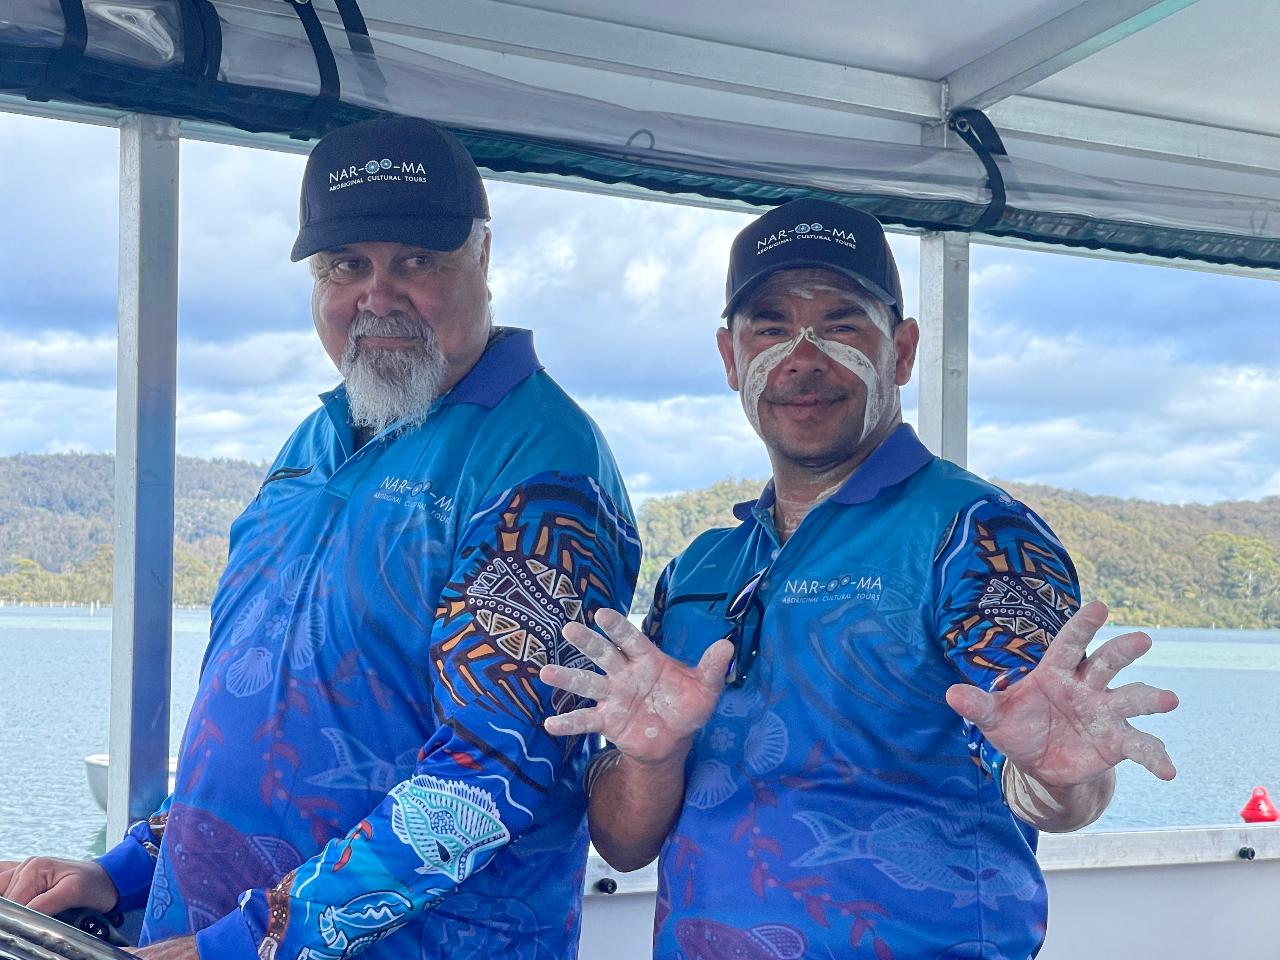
[[909, 699], [365, 767]]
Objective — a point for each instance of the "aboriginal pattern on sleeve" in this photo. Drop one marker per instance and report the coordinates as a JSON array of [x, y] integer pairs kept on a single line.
[[500, 623], [1005, 587]]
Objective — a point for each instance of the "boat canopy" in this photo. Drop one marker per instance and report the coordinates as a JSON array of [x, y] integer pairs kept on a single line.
[[1133, 126]]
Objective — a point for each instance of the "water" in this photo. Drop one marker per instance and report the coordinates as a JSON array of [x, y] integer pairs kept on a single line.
[[1224, 738], [54, 697], [54, 682]]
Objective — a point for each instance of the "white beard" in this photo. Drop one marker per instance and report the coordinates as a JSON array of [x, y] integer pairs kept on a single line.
[[387, 386]]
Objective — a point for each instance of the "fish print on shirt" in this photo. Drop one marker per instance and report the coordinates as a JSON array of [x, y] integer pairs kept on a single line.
[[236, 863], [357, 924], [709, 940], [359, 768], [904, 845], [447, 823]]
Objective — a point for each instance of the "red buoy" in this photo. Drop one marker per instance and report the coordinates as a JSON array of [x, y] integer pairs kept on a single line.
[[1259, 809]]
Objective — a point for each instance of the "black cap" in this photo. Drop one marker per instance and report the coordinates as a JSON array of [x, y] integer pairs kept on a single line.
[[400, 180], [813, 233]]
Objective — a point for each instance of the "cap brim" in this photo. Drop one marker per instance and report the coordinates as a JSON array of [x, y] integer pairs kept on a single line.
[[434, 233], [756, 279]]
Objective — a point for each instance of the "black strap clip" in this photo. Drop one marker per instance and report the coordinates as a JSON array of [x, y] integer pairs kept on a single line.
[[330, 95], [65, 62], [975, 129]]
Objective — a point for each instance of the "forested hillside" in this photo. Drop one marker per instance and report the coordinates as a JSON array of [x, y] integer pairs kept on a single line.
[[1153, 563], [55, 524], [1193, 565]]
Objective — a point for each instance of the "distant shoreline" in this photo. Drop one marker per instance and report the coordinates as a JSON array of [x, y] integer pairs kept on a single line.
[[94, 607], [6, 604]]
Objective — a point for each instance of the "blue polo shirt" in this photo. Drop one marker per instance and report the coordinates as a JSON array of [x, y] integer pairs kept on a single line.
[[365, 768], [835, 805]]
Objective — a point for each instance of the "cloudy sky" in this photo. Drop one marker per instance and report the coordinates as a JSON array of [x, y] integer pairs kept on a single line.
[[1107, 377]]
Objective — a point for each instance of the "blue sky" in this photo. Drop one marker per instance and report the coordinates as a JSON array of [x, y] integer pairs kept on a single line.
[[1114, 378]]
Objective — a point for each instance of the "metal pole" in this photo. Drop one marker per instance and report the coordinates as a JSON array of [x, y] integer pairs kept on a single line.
[[146, 387], [944, 344]]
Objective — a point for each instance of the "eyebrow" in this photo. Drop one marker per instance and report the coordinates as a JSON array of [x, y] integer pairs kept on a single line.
[[848, 309], [768, 309]]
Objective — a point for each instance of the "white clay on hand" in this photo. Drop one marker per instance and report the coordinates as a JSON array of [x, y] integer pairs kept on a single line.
[[1061, 724], [647, 703]]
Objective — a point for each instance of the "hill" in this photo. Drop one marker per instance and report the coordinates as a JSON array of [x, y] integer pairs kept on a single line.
[[1189, 565], [1192, 565], [55, 524]]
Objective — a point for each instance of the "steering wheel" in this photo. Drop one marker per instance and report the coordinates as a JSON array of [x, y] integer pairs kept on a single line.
[[28, 935]]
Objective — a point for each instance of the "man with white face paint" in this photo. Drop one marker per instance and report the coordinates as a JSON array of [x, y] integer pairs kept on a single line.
[[908, 698], [366, 743]]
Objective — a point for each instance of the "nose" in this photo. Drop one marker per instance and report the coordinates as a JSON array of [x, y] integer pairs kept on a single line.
[[382, 292], [805, 358]]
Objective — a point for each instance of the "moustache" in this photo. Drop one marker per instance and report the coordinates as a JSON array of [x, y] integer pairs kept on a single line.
[[813, 387], [394, 324]]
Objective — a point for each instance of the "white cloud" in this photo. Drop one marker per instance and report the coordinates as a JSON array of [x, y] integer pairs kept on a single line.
[[264, 361], [42, 416], [679, 443], [643, 278], [997, 278], [59, 356]]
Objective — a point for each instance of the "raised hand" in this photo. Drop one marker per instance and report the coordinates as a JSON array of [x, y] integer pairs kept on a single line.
[[51, 885], [648, 704], [1061, 723]]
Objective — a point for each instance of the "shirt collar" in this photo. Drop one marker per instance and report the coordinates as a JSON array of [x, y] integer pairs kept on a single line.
[[507, 361], [899, 455]]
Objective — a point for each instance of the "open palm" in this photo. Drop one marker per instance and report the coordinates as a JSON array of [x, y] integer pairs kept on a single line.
[[647, 704], [1061, 723]]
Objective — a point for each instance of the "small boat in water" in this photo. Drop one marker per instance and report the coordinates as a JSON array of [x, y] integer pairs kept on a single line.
[[95, 772]]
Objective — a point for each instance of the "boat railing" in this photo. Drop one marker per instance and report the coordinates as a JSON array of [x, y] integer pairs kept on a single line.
[[1171, 894]]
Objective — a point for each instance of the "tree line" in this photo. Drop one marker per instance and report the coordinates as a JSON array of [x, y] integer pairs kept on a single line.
[[1192, 565]]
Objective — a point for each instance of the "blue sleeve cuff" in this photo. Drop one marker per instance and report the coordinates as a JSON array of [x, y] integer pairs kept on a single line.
[[130, 868], [228, 939]]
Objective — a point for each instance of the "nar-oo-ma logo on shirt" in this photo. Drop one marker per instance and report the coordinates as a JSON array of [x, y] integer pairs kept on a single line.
[[807, 231], [848, 586]]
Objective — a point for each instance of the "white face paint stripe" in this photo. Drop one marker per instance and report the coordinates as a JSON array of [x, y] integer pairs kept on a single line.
[[850, 358], [876, 312]]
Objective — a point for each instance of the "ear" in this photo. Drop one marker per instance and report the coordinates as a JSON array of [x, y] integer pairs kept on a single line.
[[724, 340], [484, 251], [906, 338]]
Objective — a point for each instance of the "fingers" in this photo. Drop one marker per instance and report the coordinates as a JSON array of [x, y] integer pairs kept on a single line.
[[1101, 666], [624, 634], [1140, 699], [602, 653], [1148, 750], [976, 706], [1066, 650], [29, 881], [55, 900], [586, 720], [21, 883], [582, 682], [714, 665]]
